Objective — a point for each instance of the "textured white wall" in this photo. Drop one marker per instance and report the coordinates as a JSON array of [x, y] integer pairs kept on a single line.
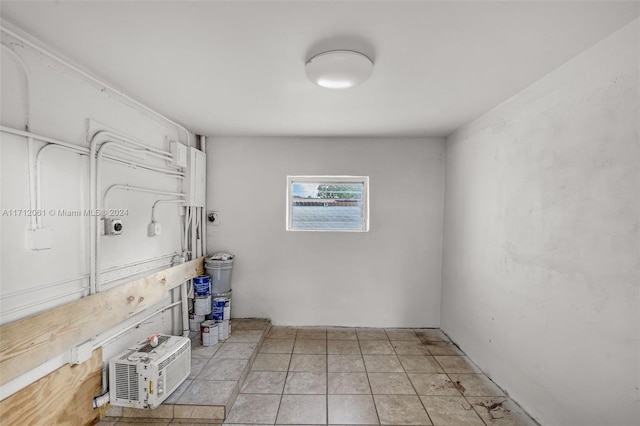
[[541, 261], [61, 102], [389, 276]]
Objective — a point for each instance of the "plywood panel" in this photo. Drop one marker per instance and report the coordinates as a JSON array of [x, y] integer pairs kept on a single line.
[[27, 343], [64, 397]]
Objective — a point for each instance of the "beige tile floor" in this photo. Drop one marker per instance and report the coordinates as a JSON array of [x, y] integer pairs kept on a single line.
[[349, 376]]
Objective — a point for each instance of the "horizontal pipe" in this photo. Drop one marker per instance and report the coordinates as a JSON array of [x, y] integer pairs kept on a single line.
[[40, 302], [111, 280], [53, 143], [86, 276], [96, 345], [96, 80], [41, 287], [167, 172], [151, 259], [115, 137], [136, 189], [27, 134], [153, 208]]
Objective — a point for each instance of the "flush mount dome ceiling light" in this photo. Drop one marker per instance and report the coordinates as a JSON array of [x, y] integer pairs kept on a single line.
[[339, 69]]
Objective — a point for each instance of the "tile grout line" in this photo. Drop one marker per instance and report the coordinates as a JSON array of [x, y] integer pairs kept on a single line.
[[461, 393], [326, 367], [286, 376], [412, 385], [368, 380]]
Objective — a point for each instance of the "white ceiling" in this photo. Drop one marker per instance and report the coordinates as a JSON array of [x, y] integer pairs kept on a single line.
[[237, 68]]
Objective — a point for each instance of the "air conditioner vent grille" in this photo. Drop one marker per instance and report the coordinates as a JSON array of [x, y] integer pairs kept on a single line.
[[127, 382]]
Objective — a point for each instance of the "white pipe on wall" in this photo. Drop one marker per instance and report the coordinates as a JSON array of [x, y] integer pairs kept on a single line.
[[97, 81], [203, 148], [185, 309], [85, 151], [136, 189], [107, 135], [101, 207], [27, 98], [194, 230], [49, 285], [153, 208], [101, 343], [28, 134], [48, 299], [41, 287], [95, 155], [35, 160]]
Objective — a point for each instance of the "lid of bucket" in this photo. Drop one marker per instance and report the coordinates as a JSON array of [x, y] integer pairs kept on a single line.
[[221, 256]]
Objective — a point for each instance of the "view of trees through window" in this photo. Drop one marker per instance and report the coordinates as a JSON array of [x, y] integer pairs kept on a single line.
[[330, 205]]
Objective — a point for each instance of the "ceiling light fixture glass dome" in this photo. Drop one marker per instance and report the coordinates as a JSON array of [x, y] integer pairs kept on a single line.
[[339, 69]]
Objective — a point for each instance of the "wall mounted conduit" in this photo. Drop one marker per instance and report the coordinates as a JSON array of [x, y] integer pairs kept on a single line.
[[109, 140], [136, 189], [97, 81], [153, 208], [101, 207]]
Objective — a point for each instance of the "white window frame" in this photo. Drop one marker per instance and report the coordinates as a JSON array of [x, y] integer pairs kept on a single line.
[[364, 180]]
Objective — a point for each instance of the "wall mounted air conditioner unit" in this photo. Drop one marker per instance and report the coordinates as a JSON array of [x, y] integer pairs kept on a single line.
[[144, 376]]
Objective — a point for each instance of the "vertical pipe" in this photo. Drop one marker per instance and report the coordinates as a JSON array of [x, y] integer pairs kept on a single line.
[[203, 230], [185, 309], [94, 231], [194, 235], [203, 220], [33, 218]]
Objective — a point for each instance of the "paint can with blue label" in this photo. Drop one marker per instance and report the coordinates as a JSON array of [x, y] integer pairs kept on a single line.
[[221, 308], [202, 285]]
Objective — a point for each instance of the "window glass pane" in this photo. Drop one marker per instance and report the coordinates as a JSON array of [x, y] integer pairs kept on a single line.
[[327, 205]]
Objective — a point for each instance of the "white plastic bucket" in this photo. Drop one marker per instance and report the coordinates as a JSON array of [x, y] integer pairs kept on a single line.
[[220, 273]]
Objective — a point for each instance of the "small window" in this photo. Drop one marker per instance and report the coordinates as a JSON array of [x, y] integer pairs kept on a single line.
[[328, 203]]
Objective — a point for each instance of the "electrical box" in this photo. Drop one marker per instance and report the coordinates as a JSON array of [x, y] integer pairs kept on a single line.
[[154, 229], [40, 239], [81, 353], [195, 178], [179, 153]]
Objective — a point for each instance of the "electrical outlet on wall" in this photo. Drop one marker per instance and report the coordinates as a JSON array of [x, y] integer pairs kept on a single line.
[[213, 218], [112, 226], [154, 229]]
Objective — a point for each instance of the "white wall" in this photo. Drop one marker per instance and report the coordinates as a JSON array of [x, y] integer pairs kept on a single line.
[[541, 261], [61, 103], [387, 277]]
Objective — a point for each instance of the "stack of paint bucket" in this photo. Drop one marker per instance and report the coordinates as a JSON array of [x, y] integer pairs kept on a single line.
[[201, 302], [221, 314], [219, 268]]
